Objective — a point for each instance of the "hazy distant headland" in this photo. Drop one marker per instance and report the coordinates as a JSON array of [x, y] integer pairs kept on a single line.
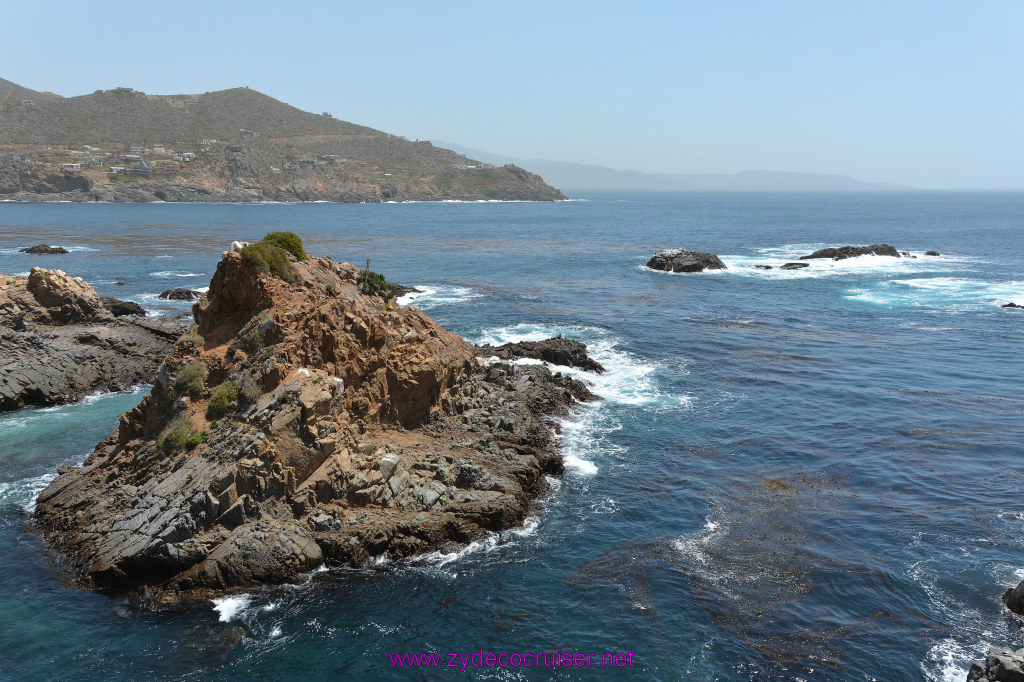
[[581, 176], [230, 145]]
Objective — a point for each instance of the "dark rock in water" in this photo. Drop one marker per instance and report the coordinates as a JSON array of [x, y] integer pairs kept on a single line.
[[1001, 664], [853, 251], [180, 295], [120, 284], [764, 267], [398, 290], [1014, 599], [45, 249], [681, 260], [119, 308], [1011, 304], [557, 351], [62, 341], [932, 253], [794, 266], [907, 254]]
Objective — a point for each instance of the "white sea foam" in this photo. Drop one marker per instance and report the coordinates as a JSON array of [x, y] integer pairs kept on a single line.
[[435, 295], [943, 293], [166, 274], [232, 606], [489, 543], [24, 492]]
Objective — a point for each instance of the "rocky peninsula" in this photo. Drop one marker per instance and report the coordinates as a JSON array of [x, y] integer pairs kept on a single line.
[[60, 340], [302, 421]]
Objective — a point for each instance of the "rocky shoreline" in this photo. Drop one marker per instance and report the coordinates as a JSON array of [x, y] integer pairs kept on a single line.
[[61, 341], [301, 423]]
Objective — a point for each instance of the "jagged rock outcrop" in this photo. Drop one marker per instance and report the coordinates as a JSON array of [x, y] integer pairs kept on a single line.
[[1011, 304], [302, 423], [43, 249], [180, 294], [557, 351], [59, 340], [1001, 664], [843, 252], [681, 260]]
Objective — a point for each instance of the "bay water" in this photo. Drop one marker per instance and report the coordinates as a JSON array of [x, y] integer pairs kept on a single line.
[[794, 474]]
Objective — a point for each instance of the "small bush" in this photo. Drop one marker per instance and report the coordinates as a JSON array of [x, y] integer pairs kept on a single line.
[[195, 439], [174, 437], [289, 241], [190, 379], [373, 283], [270, 258], [225, 394], [248, 390]]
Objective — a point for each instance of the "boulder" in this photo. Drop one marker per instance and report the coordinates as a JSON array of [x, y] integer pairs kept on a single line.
[[681, 260], [44, 249], [119, 308], [843, 252], [1001, 664], [794, 266], [67, 299], [180, 294], [1011, 304], [932, 253], [764, 267]]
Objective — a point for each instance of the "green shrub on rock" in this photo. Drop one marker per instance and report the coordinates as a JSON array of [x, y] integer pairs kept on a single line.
[[173, 439], [373, 283], [195, 439], [190, 380], [220, 403], [271, 259], [289, 241]]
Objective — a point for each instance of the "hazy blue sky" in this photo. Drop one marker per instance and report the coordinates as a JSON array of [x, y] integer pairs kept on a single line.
[[922, 93]]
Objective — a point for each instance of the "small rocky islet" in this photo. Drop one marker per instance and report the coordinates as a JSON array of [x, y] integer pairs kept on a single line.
[[683, 260], [305, 420]]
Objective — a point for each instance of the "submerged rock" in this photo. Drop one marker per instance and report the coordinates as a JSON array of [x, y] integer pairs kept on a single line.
[[44, 249], [932, 253], [180, 294], [1011, 304], [681, 260], [303, 423], [60, 340], [794, 266], [843, 252]]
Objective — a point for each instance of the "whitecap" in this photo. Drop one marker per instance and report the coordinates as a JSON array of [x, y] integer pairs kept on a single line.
[[231, 606], [432, 296], [943, 293], [165, 274]]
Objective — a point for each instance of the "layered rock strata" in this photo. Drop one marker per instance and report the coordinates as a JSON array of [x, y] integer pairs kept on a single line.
[[304, 423], [59, 340]]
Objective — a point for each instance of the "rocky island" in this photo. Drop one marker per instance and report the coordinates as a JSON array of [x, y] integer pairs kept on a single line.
[[681, 260], [305, 420], [122, 145], [60, 340]]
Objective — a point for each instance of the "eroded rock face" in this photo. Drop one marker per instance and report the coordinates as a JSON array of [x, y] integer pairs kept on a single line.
[[59, 340], [843, 252], [681, 260], [350, 428]]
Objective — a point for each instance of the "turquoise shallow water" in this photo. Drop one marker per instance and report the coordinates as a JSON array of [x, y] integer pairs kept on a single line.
[[794, 475]]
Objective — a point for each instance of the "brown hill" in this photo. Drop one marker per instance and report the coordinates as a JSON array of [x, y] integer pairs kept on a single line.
[[14, 93], [256, 137]]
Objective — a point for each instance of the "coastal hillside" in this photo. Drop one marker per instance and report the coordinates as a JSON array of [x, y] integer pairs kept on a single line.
[[230, 145]]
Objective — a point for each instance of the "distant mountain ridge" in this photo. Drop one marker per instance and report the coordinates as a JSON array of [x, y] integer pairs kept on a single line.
[[229, 145], [580, 176], [12, 92]]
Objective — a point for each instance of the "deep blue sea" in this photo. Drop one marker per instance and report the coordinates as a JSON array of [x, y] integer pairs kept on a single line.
[[794, 475]]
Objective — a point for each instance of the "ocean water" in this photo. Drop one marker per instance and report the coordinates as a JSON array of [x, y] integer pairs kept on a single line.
[[794, 475]]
